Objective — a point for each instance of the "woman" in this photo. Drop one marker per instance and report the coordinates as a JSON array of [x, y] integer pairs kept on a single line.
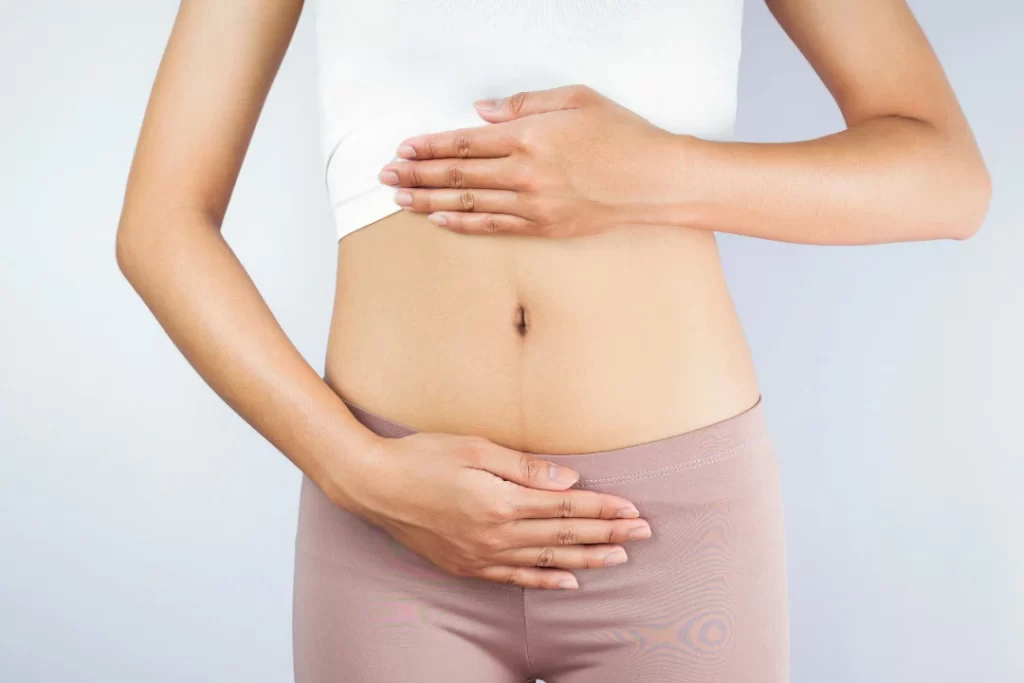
[[554, 374]]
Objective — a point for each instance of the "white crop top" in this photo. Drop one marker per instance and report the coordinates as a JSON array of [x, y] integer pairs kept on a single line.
[[392, 69]]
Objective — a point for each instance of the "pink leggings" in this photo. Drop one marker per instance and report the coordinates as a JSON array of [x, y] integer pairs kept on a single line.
[[702, 600]]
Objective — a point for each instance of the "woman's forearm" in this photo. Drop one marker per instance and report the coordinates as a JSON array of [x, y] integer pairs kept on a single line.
[[889, 179], [188, 276]]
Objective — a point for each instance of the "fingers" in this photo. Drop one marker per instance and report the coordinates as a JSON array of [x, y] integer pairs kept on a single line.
[[520, 468], [462, 143], [490, 174], [536, 488], [536, 102], [483, 223], [483, 201], [530, 577], [530, 503], [490, 140], [572, 557], [525, 533]]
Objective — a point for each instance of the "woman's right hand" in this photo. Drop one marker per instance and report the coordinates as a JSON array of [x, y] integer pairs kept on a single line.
[[478, 509]]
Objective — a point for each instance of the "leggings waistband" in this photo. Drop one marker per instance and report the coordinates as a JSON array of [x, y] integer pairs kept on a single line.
[[688, 450]]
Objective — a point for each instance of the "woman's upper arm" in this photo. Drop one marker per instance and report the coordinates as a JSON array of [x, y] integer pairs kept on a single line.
[[220, 61], [873, 57]]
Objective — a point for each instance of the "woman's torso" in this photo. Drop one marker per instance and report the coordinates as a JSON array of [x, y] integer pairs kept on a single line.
[[630, 335]]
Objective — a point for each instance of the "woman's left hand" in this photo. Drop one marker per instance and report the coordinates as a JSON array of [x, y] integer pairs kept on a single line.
[[564, 162]]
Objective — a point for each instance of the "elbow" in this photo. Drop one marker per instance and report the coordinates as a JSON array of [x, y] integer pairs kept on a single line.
[[124, 251], [969, 198], [973, 202], [148, 235], [133, 245], [121, 250]]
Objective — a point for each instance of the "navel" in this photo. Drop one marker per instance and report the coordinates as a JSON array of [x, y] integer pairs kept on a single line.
[[521, 320]]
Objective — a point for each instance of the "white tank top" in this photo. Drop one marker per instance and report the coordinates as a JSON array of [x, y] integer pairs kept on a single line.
[[392, 69]]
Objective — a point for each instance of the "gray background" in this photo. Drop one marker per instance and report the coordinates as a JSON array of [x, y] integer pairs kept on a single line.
[[147, 531]]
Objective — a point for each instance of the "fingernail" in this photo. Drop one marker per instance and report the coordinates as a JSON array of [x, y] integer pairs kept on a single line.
[[487, 104], [437, 219], [402, 197], [615, 557], [568, 583], [627, 513], [562, 475], [389, 177], [406, 152], [640, 532]]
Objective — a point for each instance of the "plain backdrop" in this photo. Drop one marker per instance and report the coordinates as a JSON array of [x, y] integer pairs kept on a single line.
[[146, 531]]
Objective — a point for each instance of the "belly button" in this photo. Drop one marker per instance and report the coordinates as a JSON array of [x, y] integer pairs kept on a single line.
[[521, 320]]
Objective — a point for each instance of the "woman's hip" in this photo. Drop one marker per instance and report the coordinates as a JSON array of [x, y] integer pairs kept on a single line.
[[706, 593], [710, 495]]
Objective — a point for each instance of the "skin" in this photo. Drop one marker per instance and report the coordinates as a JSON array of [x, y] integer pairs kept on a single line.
[[479, 509], [471, 505], [907, 166]]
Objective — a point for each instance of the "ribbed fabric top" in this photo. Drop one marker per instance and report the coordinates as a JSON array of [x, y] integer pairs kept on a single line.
[[391, 69]]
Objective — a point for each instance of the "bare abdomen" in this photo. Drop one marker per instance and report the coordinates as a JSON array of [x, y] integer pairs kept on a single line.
[[543, 345]]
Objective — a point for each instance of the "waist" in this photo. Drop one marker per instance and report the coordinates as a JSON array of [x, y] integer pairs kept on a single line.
[[543, 345]]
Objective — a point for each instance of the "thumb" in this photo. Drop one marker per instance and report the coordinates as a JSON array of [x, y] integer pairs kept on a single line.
[[525, 469], [531, 102]]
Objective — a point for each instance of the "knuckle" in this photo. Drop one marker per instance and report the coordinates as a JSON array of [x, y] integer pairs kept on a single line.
[[541, 211], [580, 93], [472, 569], [491, 543], [483, 545], [511, 509], [519, 140], [566, 536], [467, 200], [496, 513], [491, 224], [415, 176], [501, 509], [544, 228], [529, 466], [546, 558], [517, 102], [513, 577], [524, 180], [454, 176], [462, 145], [432, 151], [565, 507], [471, 452], [523, 138]]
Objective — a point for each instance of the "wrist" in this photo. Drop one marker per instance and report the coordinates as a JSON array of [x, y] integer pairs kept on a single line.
[[667, 195], [686, 165], [350, 469]]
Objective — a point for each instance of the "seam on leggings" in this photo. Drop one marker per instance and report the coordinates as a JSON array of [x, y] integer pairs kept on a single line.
[[700, 462], [526, 639]]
